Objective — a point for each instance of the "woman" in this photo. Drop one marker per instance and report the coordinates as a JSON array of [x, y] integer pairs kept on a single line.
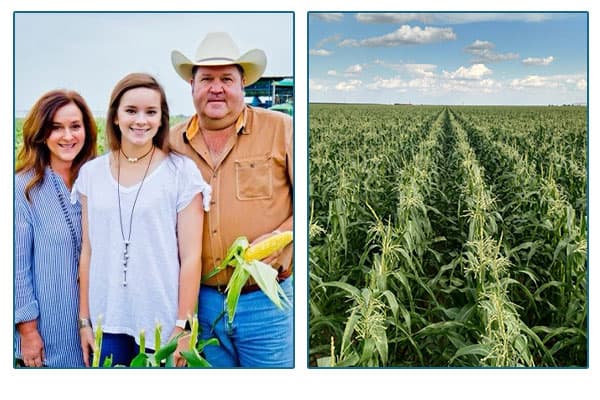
[[59, 135], [142, 227]]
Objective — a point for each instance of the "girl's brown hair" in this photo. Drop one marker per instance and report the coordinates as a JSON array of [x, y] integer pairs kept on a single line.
[[133, 81], [34, 154]]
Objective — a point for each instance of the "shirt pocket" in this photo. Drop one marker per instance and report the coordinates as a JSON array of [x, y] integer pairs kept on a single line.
[[254, 178]]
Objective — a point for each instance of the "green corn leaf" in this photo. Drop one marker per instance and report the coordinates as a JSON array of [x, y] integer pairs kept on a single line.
[[266, 278], [107, 362], [234, 289], [350, 360], [140, 361], [194, 359], [472, 350], [207, 342], [235, 252], [353, 291], [393, 303], [169, 362], [263, 274], [167, 349], [381, 344]]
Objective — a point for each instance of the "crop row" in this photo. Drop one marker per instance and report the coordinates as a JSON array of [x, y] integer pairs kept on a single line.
[[434, 242]]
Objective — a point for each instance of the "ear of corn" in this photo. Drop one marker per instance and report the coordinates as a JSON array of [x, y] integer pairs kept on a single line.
[[246, 262], [268, 246]]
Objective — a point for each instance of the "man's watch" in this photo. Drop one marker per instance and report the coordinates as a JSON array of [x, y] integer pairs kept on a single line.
[[182, 323]]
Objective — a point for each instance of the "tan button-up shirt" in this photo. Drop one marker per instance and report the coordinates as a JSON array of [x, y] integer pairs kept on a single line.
[[252, 184]]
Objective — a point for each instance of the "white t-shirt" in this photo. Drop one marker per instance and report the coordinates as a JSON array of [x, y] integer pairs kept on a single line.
[[151, 294]]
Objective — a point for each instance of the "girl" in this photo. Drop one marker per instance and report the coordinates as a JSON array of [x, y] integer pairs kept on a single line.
[[142, 227]]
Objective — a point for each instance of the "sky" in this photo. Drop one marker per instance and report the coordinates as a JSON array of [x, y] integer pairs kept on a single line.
[[91, 52], [448, 58]]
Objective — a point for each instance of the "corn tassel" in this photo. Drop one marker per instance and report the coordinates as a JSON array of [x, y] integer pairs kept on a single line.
[[266, 247]]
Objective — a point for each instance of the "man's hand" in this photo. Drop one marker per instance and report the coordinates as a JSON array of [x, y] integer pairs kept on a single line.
[[272, 258]]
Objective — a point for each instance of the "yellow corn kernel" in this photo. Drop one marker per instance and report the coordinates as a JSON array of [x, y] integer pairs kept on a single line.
[[268, 246]]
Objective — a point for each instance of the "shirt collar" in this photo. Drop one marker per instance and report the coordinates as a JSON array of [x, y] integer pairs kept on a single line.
[[193, 127]]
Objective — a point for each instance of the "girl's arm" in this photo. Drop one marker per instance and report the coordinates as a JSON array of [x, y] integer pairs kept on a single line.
[[86, 332], [189, 240]]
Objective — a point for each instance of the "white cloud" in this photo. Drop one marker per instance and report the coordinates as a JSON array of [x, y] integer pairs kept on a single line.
[[348, 86], [435, 85], [332, 72], [565, 82], [533, 81], [354, 69], [449, 18], [328, 17], [538, 61], [313, 85], [479, 45], [465, 79], [482, 86], [395, 67], [484, 53], [489, 85], [391, 18], [319, 52], [412, 69], [328, 39], [491, 57], [467, 18], [349, 43], [474, 72], [425, 70], [424, 84], [392, 83], [403, 36]]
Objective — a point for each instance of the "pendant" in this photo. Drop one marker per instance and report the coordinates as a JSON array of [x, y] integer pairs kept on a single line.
[[125, 261]]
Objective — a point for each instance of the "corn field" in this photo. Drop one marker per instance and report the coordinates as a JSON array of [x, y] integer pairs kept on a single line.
[[101, 134], [448, 236]]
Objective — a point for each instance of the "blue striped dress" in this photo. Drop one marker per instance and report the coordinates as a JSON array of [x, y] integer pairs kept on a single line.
[[47, 247]]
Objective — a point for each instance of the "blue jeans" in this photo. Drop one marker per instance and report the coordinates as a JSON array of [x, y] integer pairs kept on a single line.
[[122, 347], [261, 335]]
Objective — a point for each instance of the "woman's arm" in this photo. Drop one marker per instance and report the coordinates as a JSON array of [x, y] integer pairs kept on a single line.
[[189, 241], [86, 333], [26, 304]]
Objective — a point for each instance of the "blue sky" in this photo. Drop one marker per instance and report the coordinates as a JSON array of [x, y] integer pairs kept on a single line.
[[448, 58], [90, 52]]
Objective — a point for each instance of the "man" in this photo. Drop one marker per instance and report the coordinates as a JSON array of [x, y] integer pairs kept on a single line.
[[246, 155]]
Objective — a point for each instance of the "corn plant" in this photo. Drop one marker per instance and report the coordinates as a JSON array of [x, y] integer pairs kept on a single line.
[[161, 356], [456, 235], [246, 262]]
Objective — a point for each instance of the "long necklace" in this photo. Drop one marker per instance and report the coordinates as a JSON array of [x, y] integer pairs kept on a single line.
[[127, 242], [135, 159], [64, 208]]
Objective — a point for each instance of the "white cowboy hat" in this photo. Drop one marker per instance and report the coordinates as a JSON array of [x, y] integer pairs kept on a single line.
[[218, 48]]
